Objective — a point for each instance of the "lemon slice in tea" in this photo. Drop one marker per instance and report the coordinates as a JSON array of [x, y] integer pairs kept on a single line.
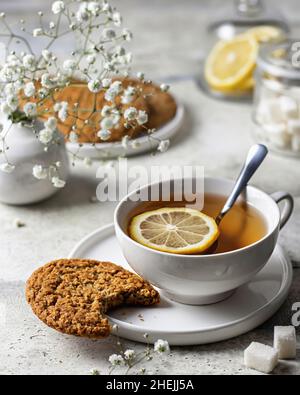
[[175, 230]]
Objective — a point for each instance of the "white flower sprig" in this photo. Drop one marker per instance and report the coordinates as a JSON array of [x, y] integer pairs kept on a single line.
[[129, 359], [30, 83]]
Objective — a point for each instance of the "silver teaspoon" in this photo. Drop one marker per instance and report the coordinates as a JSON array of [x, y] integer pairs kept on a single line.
[[255, 157]]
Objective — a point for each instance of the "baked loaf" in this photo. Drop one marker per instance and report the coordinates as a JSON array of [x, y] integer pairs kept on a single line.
[[73, 295], [162, 106], [89, 108]]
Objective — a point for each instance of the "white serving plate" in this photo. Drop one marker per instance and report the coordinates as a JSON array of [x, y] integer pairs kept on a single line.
[[180, 324], [114, 150]]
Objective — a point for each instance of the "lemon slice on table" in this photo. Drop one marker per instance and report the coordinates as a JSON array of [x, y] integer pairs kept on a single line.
[[244, 86], [264, 34], [247, 85], [174, 230], [231, 62]]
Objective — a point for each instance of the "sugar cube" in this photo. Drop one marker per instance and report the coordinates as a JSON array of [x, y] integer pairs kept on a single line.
[[269, 111], [277, 134], [261, 357], [285, 341], [293, 127], [288, 107], [263, 112]]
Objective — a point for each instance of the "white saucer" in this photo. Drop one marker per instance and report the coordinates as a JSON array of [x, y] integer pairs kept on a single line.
[[113, 150], [180, 324]]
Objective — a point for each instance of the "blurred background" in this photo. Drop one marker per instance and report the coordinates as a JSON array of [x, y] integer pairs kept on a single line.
[[174, 30]]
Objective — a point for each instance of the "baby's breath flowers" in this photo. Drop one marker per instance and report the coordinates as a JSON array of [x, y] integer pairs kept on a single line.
[[57, 182], [39, 172], [129, 355], [116, 360], [31, 83], [57, 7], [165, 87], [161, 346], [94, 372], [129, 359], [7, 167], [163, 146]]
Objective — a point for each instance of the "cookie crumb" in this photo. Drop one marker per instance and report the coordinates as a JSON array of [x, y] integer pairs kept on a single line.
[[19, 223]]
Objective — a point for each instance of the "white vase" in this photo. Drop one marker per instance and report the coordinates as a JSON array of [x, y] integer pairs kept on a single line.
[[20, 187]]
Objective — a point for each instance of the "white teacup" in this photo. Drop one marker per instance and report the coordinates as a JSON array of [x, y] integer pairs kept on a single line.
[[205, 279]]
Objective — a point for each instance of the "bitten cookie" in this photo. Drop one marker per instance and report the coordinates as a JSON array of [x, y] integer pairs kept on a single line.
[[73, 295]]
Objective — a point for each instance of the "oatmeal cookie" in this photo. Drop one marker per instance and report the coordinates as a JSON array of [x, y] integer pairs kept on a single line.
[[73, 295]]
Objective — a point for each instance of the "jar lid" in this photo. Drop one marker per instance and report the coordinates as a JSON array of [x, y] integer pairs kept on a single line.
[[281, 60], [246, 14]]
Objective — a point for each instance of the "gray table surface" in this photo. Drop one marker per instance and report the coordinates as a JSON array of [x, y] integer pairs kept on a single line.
[[170, 40]]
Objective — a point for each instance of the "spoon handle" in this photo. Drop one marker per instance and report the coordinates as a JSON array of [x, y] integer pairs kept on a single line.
[[256, 155]]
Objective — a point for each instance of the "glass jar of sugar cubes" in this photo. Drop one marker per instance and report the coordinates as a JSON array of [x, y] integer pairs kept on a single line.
[[277, 97]]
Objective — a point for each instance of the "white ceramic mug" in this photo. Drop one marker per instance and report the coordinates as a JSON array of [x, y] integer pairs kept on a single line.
[[204, 279]]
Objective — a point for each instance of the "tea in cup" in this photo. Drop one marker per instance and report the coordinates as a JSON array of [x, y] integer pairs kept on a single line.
[[248, 236]]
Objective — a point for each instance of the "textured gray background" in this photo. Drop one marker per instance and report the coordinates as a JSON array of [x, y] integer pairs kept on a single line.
[[170, 40]]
